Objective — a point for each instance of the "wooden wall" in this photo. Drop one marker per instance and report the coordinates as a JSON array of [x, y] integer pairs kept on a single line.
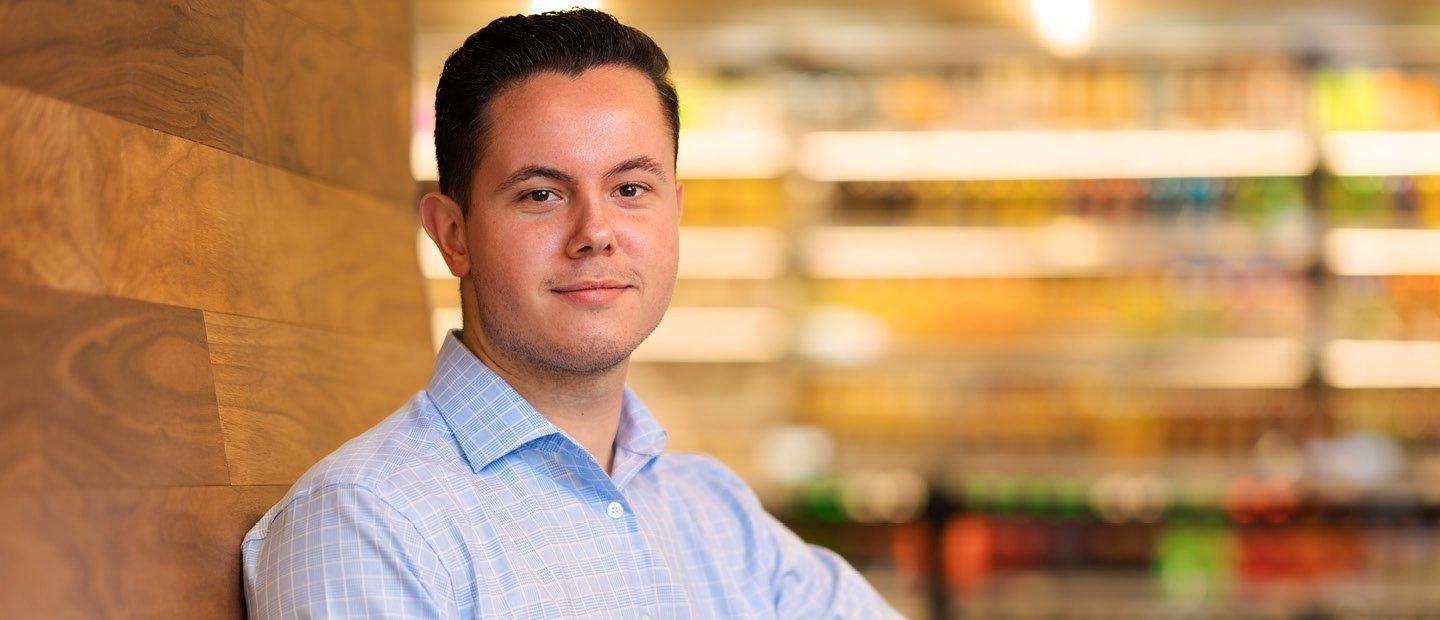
[[207, 282]]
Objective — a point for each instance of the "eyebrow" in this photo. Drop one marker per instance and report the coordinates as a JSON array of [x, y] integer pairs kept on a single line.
[[529, 172], [643, 162]]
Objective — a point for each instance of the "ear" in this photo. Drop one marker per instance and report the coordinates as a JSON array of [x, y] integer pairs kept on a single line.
[[443, 221]]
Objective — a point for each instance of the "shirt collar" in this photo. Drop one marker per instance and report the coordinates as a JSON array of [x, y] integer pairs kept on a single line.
[[490, 419]]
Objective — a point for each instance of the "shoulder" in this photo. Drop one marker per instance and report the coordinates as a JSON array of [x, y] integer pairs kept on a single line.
[[699, 467], [392, 463], [705, 478]]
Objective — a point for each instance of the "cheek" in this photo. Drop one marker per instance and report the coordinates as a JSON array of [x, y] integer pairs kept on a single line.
[[515, 260], [653, 241]]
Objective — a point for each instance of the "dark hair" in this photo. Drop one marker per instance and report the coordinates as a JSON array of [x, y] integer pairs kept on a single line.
[[511, 49]]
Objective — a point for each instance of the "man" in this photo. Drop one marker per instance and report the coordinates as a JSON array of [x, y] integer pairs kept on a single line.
[[526, 479]]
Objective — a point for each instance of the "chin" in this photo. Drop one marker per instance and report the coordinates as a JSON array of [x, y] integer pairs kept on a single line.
[[589, 351], [593, 360]]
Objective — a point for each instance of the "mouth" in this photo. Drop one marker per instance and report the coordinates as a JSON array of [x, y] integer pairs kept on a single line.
[[592, 293]]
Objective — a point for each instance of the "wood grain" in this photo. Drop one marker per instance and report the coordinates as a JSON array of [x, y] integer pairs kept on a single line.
[[320, 88], [174, 66], [347, 261], [100, 392], [314, 105], [289, 395], [50, 236], [180, 174], [165, 552], [379, 26], [190, 225]]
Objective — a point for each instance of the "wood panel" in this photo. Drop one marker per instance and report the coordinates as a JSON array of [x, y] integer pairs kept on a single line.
[[347, 260], [289, 395], [49, 236], [148, 553], [182, 173], [190, 225], [379, 26], [315, 104], [173, 66], [99, 391], [320, 88]]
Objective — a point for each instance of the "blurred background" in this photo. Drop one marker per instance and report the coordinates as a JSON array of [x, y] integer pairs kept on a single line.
[[1062, 309], [1123, 308]]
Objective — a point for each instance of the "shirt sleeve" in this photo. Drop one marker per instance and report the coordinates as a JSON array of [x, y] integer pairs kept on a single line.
[[343, 552], [811, 581], [806, 581]]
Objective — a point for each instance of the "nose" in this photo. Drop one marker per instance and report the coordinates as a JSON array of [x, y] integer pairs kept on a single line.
[[593, 233]]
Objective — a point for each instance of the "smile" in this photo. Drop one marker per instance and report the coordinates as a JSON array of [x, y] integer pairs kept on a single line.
[[593, 296]]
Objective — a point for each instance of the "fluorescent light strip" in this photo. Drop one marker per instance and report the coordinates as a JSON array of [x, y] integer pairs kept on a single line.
[[687, 334], [1382, 363], [422, 157], [919, 252], [717, 334], [442, 320], [961, 155], [432, 264], [1066, 247], [721, 253], [1234, 363], [1382, 251], [1382, 152], [734, 253], [704, 154], [732, 154]]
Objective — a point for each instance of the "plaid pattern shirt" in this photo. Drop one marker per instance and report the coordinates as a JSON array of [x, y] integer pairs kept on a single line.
[[467, 502]]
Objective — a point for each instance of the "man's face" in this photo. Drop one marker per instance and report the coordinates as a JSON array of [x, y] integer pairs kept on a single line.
[[575, 189]]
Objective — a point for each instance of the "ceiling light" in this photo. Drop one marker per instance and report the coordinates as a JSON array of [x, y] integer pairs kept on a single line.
[[1065, 26]]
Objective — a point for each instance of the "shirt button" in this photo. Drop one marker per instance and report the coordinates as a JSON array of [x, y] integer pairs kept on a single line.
[[645, 617], [615, 510]]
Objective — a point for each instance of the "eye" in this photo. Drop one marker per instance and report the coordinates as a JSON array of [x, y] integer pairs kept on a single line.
[[631, 190], [539, 195]]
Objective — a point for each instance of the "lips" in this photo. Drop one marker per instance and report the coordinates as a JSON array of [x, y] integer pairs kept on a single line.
[[590, 284], [592, 293]]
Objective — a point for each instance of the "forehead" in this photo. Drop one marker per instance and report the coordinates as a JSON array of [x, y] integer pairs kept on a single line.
[[604, 115]]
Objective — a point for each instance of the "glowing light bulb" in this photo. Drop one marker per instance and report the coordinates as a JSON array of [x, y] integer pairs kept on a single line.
[[1065, 26]]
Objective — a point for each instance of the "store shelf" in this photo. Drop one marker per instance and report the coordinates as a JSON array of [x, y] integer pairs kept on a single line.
[[1381, 363], [1199, 469], [1208, 363], [1067, 247], [1081, 297], [1113, 593], [442, 320], [969, 155], [1234, 363], [422, 157], [717, 334], [733, 253], [720, 252], [1382, 251], [741, 153], [432, 263], [1381, 153]]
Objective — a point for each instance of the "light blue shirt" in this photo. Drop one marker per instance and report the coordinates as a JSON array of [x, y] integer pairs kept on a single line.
[[467, 502]]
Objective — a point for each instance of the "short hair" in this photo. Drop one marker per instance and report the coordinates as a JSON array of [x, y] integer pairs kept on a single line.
[[511, 49]]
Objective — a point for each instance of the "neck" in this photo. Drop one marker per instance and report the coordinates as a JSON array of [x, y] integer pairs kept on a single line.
[[585, 406]]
